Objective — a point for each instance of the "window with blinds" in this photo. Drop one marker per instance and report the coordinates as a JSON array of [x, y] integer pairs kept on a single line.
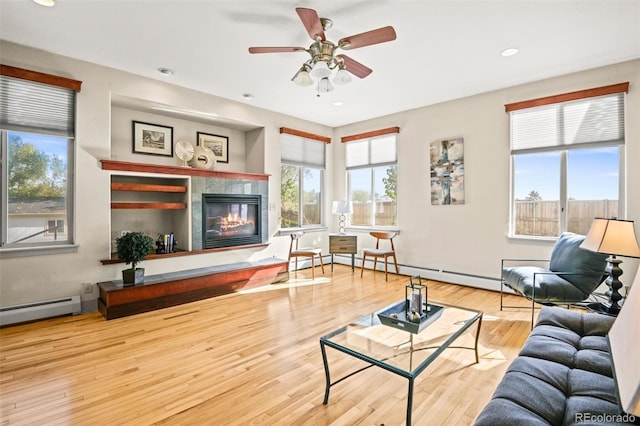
[[567, 165], [569, 124], [37, 126], [301, 181], [372, 181]]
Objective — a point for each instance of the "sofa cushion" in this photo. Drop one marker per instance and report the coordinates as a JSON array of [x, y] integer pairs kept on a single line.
[[562, 372]]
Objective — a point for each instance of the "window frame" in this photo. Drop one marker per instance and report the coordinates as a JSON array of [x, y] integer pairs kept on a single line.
[[370, 139], [561, 101], [303, 154], [18, 77]]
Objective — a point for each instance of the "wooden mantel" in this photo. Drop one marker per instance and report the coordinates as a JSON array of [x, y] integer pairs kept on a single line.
[[125, 166]]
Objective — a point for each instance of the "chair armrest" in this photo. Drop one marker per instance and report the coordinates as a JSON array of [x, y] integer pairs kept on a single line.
[[507, 260], [503, 261]]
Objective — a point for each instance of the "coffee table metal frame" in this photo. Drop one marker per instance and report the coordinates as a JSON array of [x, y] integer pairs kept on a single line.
[[409, 375]]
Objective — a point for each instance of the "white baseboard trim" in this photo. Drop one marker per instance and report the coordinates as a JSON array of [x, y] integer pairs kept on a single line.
[[476, 281]]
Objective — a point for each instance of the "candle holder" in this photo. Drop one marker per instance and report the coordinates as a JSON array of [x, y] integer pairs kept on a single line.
[[415, 299]]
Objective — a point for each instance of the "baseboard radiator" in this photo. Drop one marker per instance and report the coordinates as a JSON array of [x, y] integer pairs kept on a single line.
[[40, 310]]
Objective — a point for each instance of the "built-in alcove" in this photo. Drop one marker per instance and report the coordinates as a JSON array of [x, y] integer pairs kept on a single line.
[[166, 198]]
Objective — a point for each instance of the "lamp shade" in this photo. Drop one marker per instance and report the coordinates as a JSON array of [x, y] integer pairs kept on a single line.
[[624, 343], [612, 236], [342, 77], [324, 85], [302, 78], [342, 207], [320, 69]]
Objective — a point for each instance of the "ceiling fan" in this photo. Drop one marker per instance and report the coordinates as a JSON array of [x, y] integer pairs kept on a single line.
[[323, 52]]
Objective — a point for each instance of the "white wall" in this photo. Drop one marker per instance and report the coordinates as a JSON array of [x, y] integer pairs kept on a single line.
[[31, 278], [472, 238], [465, 239]]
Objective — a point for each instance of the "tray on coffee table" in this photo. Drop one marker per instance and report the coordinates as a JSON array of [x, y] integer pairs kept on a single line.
[[395, 316]]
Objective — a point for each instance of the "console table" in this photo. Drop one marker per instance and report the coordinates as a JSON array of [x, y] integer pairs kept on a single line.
[[176, 288], [343, 243]]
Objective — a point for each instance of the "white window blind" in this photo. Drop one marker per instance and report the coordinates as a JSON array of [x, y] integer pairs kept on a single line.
[[302, 151], [369, 152], [569, 124], [35, 107]]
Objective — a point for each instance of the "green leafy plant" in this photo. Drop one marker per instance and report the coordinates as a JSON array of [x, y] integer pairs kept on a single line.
[[133, 247]]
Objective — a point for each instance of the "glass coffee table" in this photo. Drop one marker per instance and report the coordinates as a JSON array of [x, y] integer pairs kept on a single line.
[[397, 346]]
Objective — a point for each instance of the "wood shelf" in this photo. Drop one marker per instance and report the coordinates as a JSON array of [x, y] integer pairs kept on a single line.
[[114, 257], [142, 187], [138, 205], [125, 166]]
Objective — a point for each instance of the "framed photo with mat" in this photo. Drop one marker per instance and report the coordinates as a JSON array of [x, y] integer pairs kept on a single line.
[[152, 139], [216, 143]]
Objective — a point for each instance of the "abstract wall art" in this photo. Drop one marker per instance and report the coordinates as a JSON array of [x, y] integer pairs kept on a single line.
[[447, 171]]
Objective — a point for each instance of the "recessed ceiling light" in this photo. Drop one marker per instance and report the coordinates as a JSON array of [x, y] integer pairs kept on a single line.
[[509, 52], [166, 71], [338, 103], [47, 3], [247, 96]]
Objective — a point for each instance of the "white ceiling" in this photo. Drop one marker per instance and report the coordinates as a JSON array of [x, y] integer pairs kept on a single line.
[[444, 49]]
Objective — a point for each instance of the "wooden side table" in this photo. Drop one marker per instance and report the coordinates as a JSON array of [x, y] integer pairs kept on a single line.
[[343, 243]]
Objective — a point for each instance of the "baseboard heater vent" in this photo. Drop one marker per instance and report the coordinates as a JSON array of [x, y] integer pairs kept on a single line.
[[40, 310]]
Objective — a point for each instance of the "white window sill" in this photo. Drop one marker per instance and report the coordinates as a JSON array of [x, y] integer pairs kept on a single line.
[[532, 238], [289, 231], [6, 253]]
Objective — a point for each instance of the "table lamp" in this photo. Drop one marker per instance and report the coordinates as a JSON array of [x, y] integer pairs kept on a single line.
[[342, 208], [614, 237]]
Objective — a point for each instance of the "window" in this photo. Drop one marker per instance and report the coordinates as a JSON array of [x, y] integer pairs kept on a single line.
[[372, 181], [301, 181], [567, 165], [37, 122]]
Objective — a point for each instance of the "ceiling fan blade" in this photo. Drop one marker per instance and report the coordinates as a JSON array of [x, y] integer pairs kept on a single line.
[[355, 67], [311, 22], [275, 49], [380, 35]]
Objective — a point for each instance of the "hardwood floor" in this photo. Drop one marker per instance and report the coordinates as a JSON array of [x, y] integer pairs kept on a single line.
[[246, 359]]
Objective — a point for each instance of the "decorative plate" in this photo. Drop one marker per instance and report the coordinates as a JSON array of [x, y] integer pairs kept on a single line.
[[184, 151]]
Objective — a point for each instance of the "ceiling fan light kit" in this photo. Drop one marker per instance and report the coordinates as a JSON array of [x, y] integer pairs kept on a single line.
[[322, 51]]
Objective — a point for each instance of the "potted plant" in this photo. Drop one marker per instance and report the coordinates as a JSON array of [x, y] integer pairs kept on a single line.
[[133, 247]]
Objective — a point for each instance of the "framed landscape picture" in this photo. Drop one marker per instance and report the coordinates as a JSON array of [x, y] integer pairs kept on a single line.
[[152, 139], [216, 143]]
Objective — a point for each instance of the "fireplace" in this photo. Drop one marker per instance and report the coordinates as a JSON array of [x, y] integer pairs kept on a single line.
[[231, 220]]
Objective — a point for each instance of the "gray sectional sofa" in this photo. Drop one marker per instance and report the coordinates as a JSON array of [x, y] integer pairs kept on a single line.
[[563, 375]]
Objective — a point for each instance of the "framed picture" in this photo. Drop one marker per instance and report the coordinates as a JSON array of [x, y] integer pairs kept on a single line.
[[216, 143], [152, 139], [447, 171]]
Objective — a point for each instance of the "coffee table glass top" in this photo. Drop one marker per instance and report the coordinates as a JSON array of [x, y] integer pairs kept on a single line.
[[400, 350]]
